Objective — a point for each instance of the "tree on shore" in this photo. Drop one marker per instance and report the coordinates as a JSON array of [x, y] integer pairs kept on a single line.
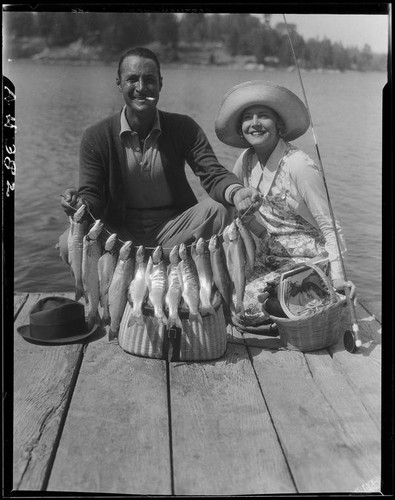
[[237, 34]]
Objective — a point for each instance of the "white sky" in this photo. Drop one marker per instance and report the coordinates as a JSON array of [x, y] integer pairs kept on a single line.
[[350, 30]]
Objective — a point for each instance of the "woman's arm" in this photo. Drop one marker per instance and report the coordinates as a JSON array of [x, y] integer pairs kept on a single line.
[[310, 186]]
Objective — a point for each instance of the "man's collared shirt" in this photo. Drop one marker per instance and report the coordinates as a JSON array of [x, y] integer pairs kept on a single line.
[[147, 186]]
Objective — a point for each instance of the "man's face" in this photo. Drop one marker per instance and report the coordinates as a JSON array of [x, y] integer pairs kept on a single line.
[[139, 83]]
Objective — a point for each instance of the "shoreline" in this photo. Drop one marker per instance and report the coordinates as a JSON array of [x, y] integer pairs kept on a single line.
[[52, 61]]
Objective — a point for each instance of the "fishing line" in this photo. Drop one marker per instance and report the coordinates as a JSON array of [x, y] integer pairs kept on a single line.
[[151, 248], [347, 290]]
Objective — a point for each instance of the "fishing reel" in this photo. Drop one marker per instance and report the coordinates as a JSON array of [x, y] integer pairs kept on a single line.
[[351, 341]]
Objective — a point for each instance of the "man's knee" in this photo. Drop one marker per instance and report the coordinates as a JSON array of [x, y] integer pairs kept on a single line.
[[222, 213]]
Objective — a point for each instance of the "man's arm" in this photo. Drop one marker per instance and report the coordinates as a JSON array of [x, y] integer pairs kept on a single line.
[[91, 173], [214, 177]]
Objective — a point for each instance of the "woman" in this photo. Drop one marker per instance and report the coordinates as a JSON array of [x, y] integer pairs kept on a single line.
[[293, 223]]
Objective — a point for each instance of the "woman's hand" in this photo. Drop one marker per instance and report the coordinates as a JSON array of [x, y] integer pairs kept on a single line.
[[247, 198], [71, 201], [340, 284]]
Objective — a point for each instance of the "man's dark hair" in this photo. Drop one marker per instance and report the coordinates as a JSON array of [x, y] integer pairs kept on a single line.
[[140, 52]]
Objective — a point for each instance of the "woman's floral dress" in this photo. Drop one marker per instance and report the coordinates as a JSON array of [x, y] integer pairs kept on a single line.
[[289, 238]]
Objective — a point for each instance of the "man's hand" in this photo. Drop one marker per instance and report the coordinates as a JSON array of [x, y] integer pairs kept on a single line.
[[247, 198], [71, 201]]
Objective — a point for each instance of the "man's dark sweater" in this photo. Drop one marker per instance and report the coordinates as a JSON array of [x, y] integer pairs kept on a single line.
[[103, 165]]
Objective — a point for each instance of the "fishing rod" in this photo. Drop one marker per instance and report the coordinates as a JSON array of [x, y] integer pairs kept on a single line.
[[351, 339]]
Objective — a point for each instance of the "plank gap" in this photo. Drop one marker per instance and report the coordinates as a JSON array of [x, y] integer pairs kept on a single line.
[[170, 428], [68, 397], [21, 298], [272, 421]]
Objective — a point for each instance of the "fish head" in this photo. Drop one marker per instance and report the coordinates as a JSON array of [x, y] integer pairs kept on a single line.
[[126, 250], [111, 242], [183, 252], [213, 243], [157, 255], [232, 232], [225, 234], [80, 214], [95, 230], [140, 254], [201, 246], [239, 223], [174, 255]]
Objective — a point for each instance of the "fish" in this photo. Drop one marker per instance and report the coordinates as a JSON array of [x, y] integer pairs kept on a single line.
[[174, 291], [220, 271], [225, 239], [249, 244], [138, 289], [236, 262], [106, 267], [201, 257], [156, 279], [190, 285], [118, 291], [75, 243], [92, 251]]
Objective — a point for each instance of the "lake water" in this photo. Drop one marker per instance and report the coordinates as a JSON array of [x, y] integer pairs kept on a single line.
[[55, 103]]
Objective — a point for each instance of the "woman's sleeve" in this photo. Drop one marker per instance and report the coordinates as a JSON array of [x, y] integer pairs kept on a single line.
[[310, 185]]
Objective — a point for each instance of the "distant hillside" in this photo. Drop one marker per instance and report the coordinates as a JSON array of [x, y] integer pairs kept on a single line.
[[187, 39]]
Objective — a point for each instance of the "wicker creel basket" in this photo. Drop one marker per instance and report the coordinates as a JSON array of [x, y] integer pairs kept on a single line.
[[194, 342], [317, 331]]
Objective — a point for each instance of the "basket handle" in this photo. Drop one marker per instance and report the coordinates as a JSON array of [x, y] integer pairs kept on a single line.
[[325, 279]]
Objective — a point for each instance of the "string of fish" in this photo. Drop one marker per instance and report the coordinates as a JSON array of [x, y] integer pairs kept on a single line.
[[111, 280]]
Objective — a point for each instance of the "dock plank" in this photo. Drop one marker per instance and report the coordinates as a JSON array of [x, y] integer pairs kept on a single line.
[[363, 368], [321, 455], [42, 378], [373, 307], [223, 439], [116, 437], [355, 422], [19, 301]]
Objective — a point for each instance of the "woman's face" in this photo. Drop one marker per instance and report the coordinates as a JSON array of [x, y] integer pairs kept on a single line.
[[259, 125]]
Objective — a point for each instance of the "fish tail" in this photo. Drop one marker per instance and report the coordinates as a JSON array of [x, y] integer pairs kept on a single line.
[[240, 309], [79, 292], [163, 319], [196, 317], [106, 319], [91, 320], [136, 317], [112, 335], [174, 321], [208, 309]]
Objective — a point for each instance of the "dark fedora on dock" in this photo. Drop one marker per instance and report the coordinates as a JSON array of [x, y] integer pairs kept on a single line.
[[56, 320]]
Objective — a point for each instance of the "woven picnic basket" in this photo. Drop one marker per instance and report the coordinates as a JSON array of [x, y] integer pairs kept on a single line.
[[194, 342], [317, 331]]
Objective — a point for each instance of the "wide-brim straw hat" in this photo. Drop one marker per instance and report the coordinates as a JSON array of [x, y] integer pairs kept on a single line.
[[56, 320], [285, 103]]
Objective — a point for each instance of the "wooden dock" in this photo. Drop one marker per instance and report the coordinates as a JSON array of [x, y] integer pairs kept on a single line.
[[90, 418]]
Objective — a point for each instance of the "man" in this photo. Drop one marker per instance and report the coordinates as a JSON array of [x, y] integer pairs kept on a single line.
[[132, 168]]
